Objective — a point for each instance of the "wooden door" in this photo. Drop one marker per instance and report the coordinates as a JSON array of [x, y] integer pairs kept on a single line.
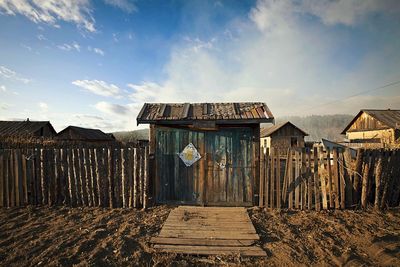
[[222, 177], [230, 167], [175, 182]]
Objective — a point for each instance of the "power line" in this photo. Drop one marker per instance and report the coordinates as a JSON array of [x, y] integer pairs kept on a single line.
[[357, 94]]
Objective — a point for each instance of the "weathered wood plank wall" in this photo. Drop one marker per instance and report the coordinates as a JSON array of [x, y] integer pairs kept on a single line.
[[82, 176], [330, 179]]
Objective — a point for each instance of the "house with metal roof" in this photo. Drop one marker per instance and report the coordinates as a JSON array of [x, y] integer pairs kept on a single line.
[[282, 136], [374, 128], [205, 153], [75, 133], [26, 129]]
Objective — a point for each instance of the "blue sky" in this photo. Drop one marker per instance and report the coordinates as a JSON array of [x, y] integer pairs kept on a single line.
[[94, 63]]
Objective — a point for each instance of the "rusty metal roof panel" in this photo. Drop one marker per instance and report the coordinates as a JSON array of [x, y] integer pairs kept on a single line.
[[241, 112]]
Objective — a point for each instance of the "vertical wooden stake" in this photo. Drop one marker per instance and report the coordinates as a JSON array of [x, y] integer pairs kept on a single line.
[[267, 177], [146, 177], [262, 178], [290, 180], [316, 182], [336, 178], [322, 178]]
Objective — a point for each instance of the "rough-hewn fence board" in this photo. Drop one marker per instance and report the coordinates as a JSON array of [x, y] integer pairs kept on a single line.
[[75, 176], [328, 179]]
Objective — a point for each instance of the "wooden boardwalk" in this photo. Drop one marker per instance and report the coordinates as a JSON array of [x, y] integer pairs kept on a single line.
[[208, 231]]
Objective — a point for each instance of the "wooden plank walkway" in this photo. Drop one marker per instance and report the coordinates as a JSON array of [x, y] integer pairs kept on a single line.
[[208, 231]]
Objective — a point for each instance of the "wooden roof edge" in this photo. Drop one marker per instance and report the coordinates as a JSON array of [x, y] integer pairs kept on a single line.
[[268, 111], [139, 116], [218, 121], [367, 111], [279, 126]]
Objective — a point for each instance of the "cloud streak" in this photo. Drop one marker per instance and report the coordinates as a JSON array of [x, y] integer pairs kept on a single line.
[[125, 5], [52, 11], [12, 75], [99, 87]]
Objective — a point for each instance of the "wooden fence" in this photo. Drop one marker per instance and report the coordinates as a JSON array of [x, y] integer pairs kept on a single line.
[[80, 176], [316, 179]]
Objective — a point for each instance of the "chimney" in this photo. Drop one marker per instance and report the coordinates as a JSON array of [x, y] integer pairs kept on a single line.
[[27, 119]]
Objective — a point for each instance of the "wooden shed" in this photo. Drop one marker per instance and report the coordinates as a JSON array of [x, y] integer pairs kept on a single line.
[[26, 129], [205, 153], [374, 128], [79, 134], [282, 136]]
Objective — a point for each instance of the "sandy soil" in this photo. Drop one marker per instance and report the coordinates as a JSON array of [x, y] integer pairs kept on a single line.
[[103, 237]]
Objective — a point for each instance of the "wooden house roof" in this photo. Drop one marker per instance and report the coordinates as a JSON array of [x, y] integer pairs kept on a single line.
[[83, 134], [388, 117], [265, 132], [222, 113], [23, 128]]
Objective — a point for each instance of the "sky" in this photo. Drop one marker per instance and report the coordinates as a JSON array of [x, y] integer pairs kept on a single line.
[[93, 63]]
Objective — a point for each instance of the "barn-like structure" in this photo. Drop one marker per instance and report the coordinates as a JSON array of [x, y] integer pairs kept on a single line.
[[205, 153], [27, 129], [374, 128], [283, 136], [79, 134]]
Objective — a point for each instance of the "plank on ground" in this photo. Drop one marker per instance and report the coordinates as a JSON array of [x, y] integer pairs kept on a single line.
[[212, 250], [215, 235], [202, 242], [237, 229]]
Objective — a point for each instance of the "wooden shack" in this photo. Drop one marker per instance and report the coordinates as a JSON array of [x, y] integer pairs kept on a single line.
[[205, 153], [282, 136], [87, 135], [374, 128], [26, 129]]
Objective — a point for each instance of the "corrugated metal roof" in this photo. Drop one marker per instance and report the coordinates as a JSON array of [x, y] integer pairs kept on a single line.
[[265, 132], [22, 128], [389, 117], [86, 134], [232, 112]]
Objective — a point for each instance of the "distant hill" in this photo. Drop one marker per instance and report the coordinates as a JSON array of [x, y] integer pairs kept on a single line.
[[317, 126], [321, 126], [132, 136]]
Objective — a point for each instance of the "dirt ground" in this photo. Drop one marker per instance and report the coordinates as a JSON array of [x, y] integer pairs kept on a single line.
[[63, 236]]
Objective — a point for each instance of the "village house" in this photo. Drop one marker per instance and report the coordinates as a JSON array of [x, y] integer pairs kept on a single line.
[[79, 134], [205, 153], [282, 136], [374, 128], [26, 129]]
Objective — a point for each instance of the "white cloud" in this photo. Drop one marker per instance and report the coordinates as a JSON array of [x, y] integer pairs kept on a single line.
[[43, 107], [99, 87], [146, 92], [96, 50], [12, 75], [52, 11], [26, 47], [347, 12], [69, 47], [125, 5], [112, 109], [5, 106], [270, 13], [41, 37], [3, 88]]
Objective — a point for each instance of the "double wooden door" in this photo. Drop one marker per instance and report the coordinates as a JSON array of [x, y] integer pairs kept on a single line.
[[223, 176]]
